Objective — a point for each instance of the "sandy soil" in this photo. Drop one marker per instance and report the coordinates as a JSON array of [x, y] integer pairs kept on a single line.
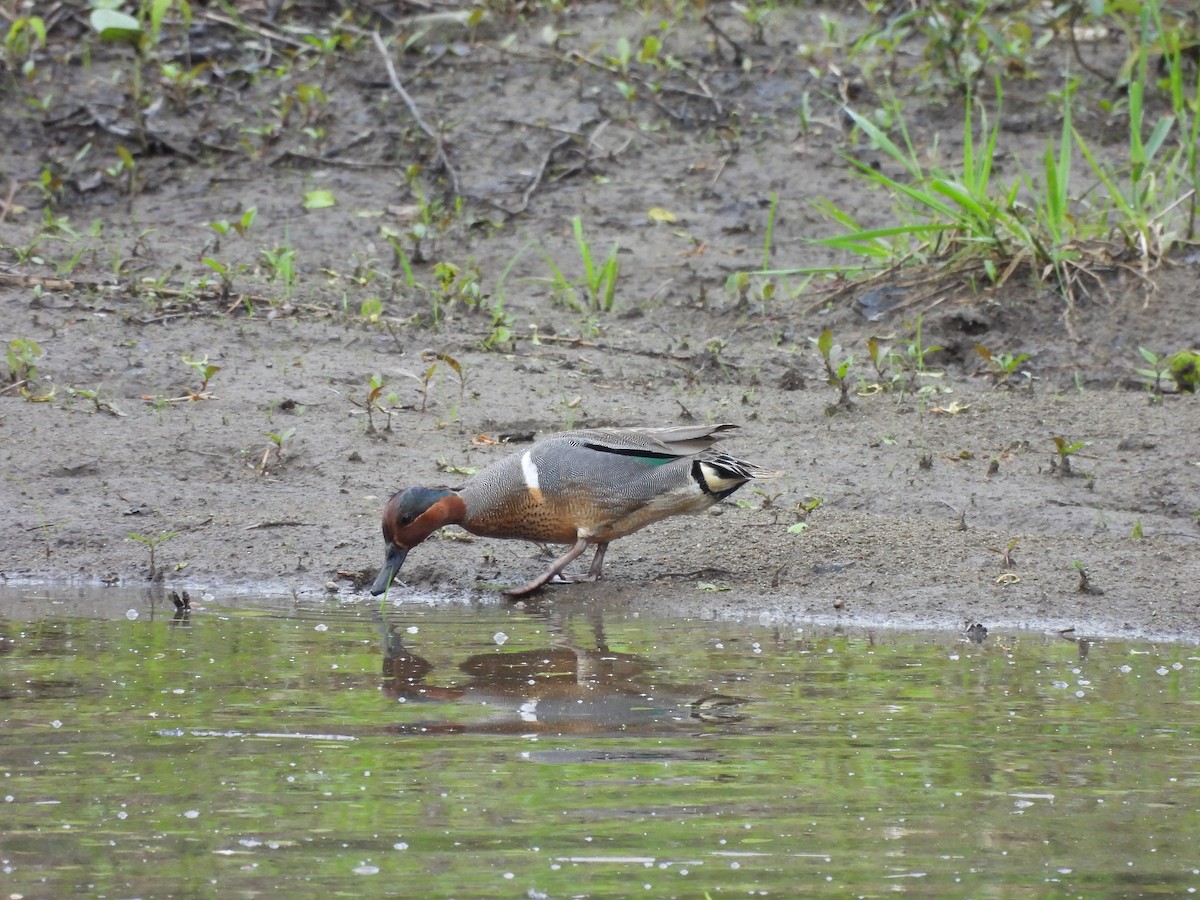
[[937, 507]]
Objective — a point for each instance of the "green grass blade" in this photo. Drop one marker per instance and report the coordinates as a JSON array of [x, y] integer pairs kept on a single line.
[[884, 143]]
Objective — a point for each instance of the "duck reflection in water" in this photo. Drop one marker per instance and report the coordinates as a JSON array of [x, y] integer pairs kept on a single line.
[[560, 689]]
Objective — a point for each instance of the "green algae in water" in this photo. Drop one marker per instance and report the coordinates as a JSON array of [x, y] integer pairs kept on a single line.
[[488, 751]]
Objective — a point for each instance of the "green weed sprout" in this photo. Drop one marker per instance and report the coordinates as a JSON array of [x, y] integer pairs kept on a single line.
[[375, 386], [1157, 374], [25, 35], [371, 310], [1085, 581], [1008, 552], [1001, 366], [206, 371], [151, 542], [599, 277], [22, 357], [281, 266], [93, 396], [277, 439], [1065, 450], [837, 376], [241, 226]]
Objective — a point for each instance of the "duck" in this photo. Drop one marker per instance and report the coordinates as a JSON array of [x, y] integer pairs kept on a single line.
[[577, 487]]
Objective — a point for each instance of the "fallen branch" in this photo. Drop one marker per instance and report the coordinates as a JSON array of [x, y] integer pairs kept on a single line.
[[416, 113]]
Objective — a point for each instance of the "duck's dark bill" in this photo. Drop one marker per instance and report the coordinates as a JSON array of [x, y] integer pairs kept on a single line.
[[392, 561]]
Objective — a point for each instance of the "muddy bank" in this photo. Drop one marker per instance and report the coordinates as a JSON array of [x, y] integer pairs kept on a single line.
[[942, 495]]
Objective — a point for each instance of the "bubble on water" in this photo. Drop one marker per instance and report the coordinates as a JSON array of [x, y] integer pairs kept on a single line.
[[366, 869], [192, 814], [1125, 669], [1162, 670], [400, 845], [56, 724], [131, 614], [321, 627], [1177, 666], [509, 876], [500, 638], [412, 629]]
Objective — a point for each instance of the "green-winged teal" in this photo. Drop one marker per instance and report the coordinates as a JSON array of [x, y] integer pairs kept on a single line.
[[578, 488]]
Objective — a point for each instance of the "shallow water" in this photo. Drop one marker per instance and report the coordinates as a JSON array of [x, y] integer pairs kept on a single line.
[[487, 750]]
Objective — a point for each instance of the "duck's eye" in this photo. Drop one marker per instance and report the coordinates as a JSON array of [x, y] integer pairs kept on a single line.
[[406, 519]]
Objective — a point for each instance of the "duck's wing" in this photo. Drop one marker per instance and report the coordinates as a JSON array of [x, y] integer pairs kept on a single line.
[[662, 443]]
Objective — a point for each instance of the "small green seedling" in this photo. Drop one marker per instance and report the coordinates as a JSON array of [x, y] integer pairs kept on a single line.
[[1157, 373], [281, 266], [278, 439], [837, 376], [878, 355], [501, 329], [127, 164], [241, 226], [1085, 582], [151, 542], [206, 371], [1001, 367], [803, 510], [225, 272], [1062, 463], [25, 35], [427, 378], [371, 405], [599, 279], [1008, 552], [22, 357], [180, 80], [93, 396], [371, 310]]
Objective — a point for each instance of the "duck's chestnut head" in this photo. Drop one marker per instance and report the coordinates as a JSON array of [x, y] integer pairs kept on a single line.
[[409, 517]]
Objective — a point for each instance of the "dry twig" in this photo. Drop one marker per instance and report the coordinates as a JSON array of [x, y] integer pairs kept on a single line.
[[447, 167]]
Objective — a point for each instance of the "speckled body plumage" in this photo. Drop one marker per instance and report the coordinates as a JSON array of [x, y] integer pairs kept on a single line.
[[579, 488]]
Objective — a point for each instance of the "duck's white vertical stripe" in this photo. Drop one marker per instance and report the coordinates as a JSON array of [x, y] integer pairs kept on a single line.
[[529, 469]]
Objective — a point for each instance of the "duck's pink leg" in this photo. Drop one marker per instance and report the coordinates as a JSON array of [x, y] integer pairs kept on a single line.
[[559, 564], [594, 573]]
